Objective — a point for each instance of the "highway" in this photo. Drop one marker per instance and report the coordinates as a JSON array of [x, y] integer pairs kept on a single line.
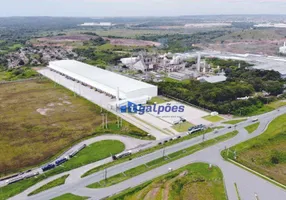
[[129, 142], [248, 183]]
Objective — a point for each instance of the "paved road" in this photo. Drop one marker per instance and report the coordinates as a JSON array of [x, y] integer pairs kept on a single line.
[[231, 172], [129, 142]]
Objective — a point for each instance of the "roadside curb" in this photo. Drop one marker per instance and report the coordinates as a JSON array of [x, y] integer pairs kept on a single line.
[[257, 173]]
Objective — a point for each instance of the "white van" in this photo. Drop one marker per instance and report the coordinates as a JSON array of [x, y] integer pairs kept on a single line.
[[254, 120]]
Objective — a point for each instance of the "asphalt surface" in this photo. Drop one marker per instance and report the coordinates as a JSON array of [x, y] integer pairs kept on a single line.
[[129, 142], [248, 183]]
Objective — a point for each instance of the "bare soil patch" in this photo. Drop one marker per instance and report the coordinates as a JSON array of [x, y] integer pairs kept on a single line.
[[35, 124], [131, 42]]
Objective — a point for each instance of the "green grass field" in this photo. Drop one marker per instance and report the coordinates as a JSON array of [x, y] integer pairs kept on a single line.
[[94, 152], [264, 109], [168, 79], [158, 100], [69, 196], [3, 75], [159, 162], [16, 74], [39, 121], [195, 181], [265, 153], [277, 104], [52, 184], [269, 107], [251, 128], [182, 127], [215, 118], [235, 121]]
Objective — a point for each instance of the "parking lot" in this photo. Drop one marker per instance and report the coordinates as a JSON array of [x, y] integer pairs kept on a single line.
[[191, 114]]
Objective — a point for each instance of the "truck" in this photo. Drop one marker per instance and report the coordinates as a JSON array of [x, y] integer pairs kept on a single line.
[[76, 151], [121, 155], [31, 175], [196, 128], [14, 180], [48, 167], [61, 161]]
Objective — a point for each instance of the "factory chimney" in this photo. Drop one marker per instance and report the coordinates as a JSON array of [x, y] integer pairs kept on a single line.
[[199, 63], [204, 70]]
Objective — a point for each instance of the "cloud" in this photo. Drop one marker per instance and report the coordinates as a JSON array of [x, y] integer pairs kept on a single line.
[[139, 7]]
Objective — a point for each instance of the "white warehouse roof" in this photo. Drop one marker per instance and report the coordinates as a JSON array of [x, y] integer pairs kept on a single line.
[[212, 79], [104, 80]]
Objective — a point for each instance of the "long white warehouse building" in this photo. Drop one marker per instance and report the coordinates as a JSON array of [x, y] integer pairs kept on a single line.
[[103, 80]]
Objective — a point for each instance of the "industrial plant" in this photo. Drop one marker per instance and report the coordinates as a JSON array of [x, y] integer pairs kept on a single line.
[[175, 66]]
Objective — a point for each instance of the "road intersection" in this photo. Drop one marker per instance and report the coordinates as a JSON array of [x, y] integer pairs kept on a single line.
[[248, 184]]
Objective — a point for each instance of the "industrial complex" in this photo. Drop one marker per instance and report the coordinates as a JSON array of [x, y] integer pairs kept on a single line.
[[190, 107], [112, 84]]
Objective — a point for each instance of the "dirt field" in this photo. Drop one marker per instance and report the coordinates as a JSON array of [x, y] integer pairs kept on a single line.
[[259, 41], [131, 42], [37, 121], [193, 182], [132, 33], [63, 41], [67, 38]]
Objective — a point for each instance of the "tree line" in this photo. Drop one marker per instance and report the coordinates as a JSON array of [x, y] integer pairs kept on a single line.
[[223, 97]]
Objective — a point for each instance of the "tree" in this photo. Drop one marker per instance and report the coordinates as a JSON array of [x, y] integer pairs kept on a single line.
[[274, 87]]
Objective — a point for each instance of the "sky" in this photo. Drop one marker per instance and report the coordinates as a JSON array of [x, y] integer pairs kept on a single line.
[[114, 8]]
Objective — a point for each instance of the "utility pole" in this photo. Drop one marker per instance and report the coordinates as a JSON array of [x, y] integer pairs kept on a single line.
[[203, 137], [118, 122], [256, 196], [74, 90], [102, 115], [164, 152], [106, 121], [105, 175]]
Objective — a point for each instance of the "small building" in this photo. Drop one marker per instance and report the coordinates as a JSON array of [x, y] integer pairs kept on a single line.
[[129, 61], [97, 24], [212, 79], [178, 76]]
